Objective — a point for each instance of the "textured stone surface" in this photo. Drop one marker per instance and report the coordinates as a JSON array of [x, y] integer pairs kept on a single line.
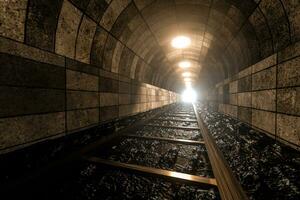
[[268, 62], [108, 113], [288, 128], [81, 67], [265, 79], [82, 118], [98, 46], [244, 84], [79, 99], [18, 49], [233, 99], [12, 19], [108, 85], [84, 39], [264, 120], [233, 86], [96, 9], [244, 99], [82, 81], [18, 71], [41, 23], [245, 114], [289, 73], [24, 129], [109, 99], [66, 33], [288, 100], [289, 52], [265, 100], [19, 101]]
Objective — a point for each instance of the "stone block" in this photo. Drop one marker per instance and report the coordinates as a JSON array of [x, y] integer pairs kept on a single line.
[[124, 99], [289, 52], [108, 113], [81, 99], [81, 67], [288, 128], [265, 79], [19, 71], [264, 120], [124, 87], [233, 99], [84, 39], [265, 63], [245, 114], [98, 46], [108, 85], [82, 81], [244, 84], [289, 73], [20, 101], [233, 87], [27, 129], [288, 100], [244, 99], [81, 118], [265, 100], [109, 99], [67, 27]]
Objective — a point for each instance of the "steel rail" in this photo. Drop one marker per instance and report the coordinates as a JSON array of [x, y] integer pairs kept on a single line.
[[229, 187], [175, 120]]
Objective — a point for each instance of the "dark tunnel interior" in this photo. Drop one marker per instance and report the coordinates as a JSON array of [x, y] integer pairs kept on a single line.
[[77, 72]]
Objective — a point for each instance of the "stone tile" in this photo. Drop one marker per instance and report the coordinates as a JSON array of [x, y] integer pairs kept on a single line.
[[84, 40], [288, 128], [231, 110], [244, 84], [96, 9], [81, 67], [79, 99], [82, 118], [265, 100], [21, 130], [19, 71], [289, 52], [80, 4], [124, 99], [116, 57], [265, 79], [67, 27], [41, 23], [20, 101], [281, 33], [108, 85], [12, 18], [289, 73], [109, 99], [245, 114], [245, 72], [112, 12], [81, 81], [288, 100], [19, 49], [233, 86], [110, 46], [265, 63], [109, 113], [124, 87], [244, 99], [98, 47], [264, 120], [126, 110], [233, 99]]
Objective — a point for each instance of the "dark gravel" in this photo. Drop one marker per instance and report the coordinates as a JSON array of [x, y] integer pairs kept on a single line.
[[173, 123], [265, 169], [169, 133], [164, 155]]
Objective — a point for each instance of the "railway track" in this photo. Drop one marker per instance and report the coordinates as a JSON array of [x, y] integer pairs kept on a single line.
[[125, 152], [169, 155]]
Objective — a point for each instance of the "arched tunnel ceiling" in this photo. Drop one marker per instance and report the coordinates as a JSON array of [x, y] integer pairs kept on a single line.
[[132, 37]]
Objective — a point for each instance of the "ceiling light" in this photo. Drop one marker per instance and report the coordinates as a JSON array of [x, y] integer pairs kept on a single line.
[[181, 42], [184, 64], [186, 74]]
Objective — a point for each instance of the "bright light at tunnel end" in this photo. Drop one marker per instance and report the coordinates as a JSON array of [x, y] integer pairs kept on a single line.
[[189, 95], [181, 42]]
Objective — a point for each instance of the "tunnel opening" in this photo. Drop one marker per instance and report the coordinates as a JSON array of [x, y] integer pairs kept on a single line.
[[192, 87]]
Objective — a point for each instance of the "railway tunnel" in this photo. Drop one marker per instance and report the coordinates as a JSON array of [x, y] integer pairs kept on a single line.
[[150, 99]]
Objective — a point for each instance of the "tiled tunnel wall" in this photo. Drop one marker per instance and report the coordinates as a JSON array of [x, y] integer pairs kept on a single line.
[[266, 95], [55, 78]]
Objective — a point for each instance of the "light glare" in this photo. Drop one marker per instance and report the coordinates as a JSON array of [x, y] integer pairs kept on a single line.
[[181, 42], [184, 64], [189, 95], [186, 74]]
